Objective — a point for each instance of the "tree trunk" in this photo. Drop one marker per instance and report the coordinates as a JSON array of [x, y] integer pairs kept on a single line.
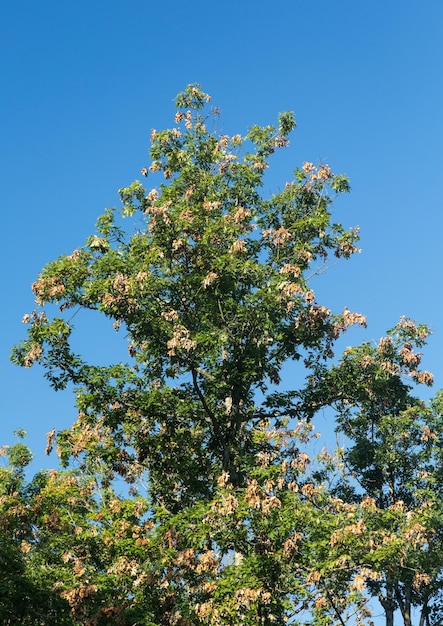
[[404, 602], [389, 612], [388, 603], [424, 615]]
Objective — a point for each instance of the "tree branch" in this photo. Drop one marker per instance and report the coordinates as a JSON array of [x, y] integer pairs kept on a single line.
[[336, 611]]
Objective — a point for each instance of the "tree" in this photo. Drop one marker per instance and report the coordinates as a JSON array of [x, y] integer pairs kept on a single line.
[[26, 595], [64, 548], [211, 287], [392, 468]]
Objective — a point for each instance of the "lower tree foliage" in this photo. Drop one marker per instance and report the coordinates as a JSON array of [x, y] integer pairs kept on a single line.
[[260, 554], [188, 492]]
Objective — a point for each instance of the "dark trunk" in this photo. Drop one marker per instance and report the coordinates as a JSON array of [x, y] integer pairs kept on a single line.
[[404, 602], [388, 603]]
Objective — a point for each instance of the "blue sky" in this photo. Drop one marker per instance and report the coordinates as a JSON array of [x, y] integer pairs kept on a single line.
[[85, 81]]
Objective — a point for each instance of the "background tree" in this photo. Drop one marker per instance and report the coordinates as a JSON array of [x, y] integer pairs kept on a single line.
[[392, 467], [25, 587]]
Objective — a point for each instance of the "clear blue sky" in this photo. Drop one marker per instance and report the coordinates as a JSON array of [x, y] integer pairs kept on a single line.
[[84, 82]]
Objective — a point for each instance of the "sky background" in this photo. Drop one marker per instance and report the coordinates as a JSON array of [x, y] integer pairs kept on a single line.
[[84, 82]]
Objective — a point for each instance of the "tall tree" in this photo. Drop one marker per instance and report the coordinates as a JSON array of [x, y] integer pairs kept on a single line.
[[211, 287]]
